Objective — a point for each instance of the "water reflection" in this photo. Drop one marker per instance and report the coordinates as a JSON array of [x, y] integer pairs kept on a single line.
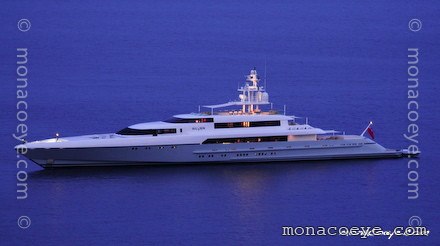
[[248, 189], [236, 168]]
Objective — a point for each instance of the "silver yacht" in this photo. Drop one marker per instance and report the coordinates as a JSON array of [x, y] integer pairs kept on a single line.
[[233, 132]]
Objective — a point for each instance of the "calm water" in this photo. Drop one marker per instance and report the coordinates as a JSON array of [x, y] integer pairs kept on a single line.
[[99, 67]]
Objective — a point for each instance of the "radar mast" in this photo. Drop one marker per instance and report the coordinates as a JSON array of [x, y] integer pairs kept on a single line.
[[252, 95]]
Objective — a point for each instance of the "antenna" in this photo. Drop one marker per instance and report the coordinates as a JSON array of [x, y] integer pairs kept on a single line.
[[265, 72]]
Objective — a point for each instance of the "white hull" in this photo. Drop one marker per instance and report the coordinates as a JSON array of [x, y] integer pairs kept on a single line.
[[211, 153]]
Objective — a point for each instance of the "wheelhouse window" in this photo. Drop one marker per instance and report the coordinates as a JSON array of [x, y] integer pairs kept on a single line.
[[247, 124], [189, 120], [154, 132], [245, 140], [291, 122]]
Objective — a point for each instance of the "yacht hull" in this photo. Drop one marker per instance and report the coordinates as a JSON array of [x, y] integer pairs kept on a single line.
[[211, 153]]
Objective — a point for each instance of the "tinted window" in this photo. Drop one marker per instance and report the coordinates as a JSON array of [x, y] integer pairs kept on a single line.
[[245, 140], [130, 131], [192, 120], [247, 124]]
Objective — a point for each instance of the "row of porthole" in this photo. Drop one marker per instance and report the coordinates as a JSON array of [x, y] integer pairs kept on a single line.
[[259, 154], [160, 147], [265, 153], [203, 156], [240, 154]]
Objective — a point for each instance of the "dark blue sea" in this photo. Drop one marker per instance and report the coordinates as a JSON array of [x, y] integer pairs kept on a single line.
[[99, 66]]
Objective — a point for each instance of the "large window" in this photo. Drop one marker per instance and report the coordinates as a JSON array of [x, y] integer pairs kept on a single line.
[[154, 132], [189, 120], [245, 140], [247, 124]]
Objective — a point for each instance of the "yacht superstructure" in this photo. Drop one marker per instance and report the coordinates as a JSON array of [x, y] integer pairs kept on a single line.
[[246, 134]]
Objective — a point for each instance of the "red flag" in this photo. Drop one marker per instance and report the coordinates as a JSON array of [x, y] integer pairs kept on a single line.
[[370, 131]]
